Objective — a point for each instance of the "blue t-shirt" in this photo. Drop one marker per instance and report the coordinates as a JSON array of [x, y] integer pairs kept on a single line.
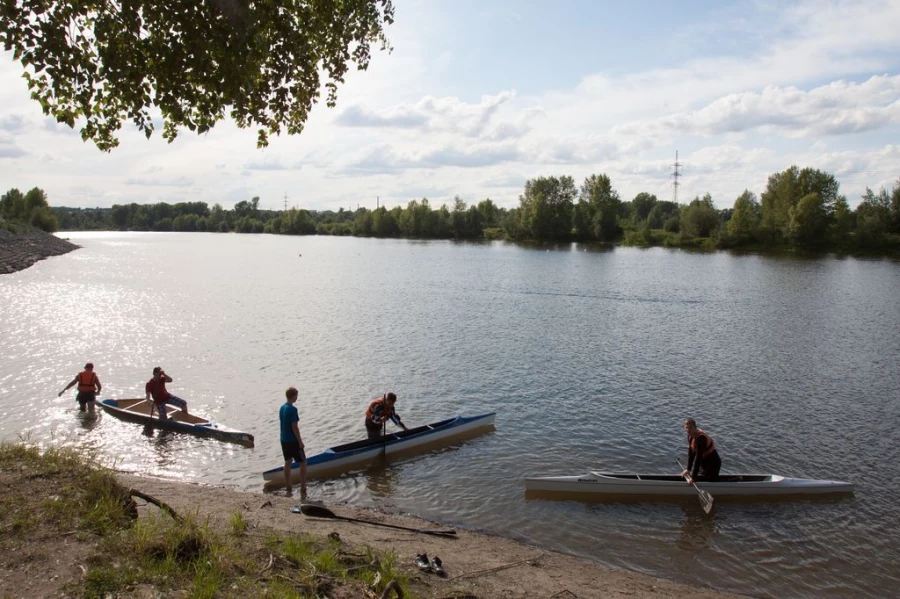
[[288, 415]]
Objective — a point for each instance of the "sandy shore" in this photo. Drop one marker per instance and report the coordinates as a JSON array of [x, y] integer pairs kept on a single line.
[[20, 250], [477, 565]]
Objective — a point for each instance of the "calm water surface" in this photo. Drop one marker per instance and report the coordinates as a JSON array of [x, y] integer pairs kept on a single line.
[[591, 359]]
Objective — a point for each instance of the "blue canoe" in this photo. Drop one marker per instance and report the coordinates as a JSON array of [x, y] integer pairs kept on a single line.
[[359, 453], [138, 410]]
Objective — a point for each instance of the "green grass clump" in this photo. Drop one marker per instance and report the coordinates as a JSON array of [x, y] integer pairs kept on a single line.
[[64, 490]]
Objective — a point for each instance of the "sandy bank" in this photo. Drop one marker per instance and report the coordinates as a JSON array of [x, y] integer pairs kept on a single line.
[[20, 250], [477, 564]]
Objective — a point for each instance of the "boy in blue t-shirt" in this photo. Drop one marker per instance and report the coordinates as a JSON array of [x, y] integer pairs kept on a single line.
[[291, 442]]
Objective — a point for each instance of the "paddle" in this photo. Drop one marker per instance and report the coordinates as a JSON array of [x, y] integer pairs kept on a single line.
[[706, 500], [320, 511]]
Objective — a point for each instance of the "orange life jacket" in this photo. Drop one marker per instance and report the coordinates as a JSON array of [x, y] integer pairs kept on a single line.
[[379, 411], [86, 380], [710, 444]]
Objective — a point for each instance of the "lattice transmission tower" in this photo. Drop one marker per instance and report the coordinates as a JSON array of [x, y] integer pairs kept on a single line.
[[676, 173]]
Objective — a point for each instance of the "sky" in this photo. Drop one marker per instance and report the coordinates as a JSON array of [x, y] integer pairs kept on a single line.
[[478, 96]]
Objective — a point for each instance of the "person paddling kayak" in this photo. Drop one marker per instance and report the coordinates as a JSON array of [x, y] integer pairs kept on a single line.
[[379, 412], [704, 462]]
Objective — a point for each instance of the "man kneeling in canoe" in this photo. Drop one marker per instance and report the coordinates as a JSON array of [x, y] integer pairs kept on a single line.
[[704, 462], [379, 412], [156, 388]]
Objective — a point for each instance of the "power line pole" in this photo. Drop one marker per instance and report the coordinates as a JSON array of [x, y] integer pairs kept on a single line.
[[675, 174], [285, 201]]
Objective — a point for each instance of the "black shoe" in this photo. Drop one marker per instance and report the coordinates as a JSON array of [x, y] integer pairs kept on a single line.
[[438, 566], [422, 562]]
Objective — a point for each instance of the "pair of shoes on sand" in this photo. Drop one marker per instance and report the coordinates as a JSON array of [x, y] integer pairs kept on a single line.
[[435, 565]]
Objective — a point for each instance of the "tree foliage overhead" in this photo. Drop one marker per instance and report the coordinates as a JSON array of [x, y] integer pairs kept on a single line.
[[104, 62]]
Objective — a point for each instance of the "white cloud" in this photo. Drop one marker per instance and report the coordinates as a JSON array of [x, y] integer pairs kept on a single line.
[[838, 108]]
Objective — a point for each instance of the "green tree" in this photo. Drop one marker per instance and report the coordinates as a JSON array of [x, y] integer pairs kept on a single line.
[[842, 223], [597, 214], [661, 212], [490, 213], [105, 62], [641, 206], [873, 218], [458, 218], [744, 222], [895, 209], [699, 218], [784, 191], [546, 208], [808, 223], [245, 208], [12, 205]]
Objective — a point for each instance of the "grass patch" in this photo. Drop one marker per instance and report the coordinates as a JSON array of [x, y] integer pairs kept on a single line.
[[47, 494]]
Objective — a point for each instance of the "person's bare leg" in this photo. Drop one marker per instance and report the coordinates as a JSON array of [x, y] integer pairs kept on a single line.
[[287, 475]]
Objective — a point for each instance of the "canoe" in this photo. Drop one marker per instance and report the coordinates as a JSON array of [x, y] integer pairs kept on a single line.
[[394, 445], [138, 410], [734, 485]]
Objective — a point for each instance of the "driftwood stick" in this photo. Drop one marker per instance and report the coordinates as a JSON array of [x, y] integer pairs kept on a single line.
[[503, 567], [160, 504]]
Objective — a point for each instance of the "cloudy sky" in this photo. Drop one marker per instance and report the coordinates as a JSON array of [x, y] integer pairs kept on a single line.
[[480, 95]]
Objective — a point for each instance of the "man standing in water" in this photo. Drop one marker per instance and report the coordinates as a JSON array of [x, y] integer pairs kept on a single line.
[[88, 387], [291, 443], [156, 388], [704, 462]]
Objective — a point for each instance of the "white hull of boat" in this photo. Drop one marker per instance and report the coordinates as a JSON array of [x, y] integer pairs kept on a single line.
[[742, 485]]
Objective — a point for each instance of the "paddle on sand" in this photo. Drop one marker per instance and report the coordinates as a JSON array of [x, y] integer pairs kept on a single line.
[[706, 500], [320, 511]]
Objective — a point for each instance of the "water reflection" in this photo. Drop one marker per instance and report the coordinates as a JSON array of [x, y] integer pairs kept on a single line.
[[380, 479], [697, 528], [88, 420]]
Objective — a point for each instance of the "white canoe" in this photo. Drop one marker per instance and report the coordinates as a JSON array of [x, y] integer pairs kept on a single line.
[[735, 485], [394, 445]]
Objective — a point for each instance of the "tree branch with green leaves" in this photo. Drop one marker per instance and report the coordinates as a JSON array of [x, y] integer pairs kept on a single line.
[[100, 63]]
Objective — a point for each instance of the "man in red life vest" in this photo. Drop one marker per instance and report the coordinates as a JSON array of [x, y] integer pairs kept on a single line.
[[704, 462], [156, 388], [379, 412], [88, 387]]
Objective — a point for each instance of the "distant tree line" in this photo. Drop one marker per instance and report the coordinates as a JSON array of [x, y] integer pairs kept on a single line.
[[31, 208], [418, 219], [800, 208]]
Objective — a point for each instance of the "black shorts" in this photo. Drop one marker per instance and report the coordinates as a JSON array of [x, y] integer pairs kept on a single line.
[[85, 397], [292, 451]]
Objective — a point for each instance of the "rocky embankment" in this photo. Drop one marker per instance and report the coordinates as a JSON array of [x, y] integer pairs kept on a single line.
[[20, 250]]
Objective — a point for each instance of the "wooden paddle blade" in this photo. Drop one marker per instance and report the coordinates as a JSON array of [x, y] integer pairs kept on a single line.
[[706, 501]]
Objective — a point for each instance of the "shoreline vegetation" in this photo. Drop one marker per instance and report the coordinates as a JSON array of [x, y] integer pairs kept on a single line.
[[110, 534], [799, 210]]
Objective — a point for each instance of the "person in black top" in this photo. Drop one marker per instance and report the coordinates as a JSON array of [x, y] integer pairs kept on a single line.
[[704, 462]]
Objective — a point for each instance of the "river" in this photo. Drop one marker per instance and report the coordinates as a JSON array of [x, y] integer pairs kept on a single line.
[[591, 358]]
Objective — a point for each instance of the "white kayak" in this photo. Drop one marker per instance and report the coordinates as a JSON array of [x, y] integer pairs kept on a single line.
[[735, 485]]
